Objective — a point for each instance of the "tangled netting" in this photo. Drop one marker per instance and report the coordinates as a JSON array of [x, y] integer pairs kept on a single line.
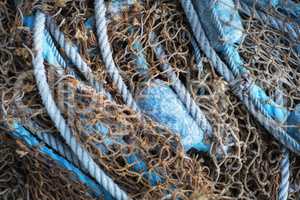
[[250, 170], [27, 174], [153, 144]]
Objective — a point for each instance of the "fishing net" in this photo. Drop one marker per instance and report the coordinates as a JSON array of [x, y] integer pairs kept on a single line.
[[27, 174], [250, 170]]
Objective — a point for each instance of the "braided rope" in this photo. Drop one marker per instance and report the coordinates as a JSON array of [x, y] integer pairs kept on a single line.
[[106, 53], [74, 56], [284, 183], [179, 88], [201, 38], [55, 115], [290, 28]]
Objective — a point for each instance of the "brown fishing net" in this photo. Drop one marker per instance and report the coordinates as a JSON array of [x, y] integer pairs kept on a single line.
[[129, 135], [27, 174], [251, 170]]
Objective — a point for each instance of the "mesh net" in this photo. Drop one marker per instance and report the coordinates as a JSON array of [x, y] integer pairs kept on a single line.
[[28, 174], [251, 170]]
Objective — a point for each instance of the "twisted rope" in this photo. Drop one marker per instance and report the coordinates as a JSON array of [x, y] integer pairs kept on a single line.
[[284, 163], [179, 88], [74, 56], [200, 37], [197, 54], [59, 146], [228, 51], [222, 69], [290, 28], [22, 133], [61, 61], [284, 183], [106, 53], [55, 115]]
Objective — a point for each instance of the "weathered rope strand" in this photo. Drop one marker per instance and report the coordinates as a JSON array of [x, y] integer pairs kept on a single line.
[[200, 37], [105, 49], [55, 115], [222, 69], [285, 174], [235, 69], [197, 54], [59, 146], [74, 56], [57, 55], [179, 88]]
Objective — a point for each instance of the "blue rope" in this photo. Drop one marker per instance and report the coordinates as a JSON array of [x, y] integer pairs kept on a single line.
[[211, 19], [285, 174], [197, 54], [84, 157], [284, 163]]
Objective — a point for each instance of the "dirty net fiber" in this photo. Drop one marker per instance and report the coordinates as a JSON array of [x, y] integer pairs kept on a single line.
[[249, 170]]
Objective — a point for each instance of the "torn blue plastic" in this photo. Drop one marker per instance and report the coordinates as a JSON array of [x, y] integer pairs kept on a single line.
[[161, 103], [23, 134]]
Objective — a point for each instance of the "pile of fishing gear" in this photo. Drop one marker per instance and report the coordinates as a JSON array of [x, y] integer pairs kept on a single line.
[[150, 99]]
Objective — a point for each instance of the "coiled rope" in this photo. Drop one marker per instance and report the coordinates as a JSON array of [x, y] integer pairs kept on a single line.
[[55, 115]]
